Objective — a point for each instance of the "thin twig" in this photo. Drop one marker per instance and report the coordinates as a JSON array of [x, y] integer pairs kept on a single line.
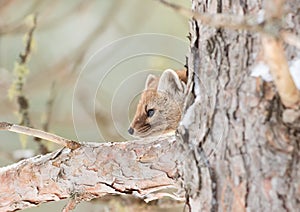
[[17, 26], [49, 107], [247, 22], [65, 68], [40, 134], [98, 30], [46, 121], [44, 22], [28, 47], [20, 72]]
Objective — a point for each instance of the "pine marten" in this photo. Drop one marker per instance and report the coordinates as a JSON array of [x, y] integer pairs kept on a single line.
[[159, 109]]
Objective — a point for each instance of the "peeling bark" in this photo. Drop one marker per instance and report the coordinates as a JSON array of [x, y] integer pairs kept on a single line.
[[143, 168]]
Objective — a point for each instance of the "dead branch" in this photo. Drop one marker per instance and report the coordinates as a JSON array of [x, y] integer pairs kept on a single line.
[[28, 46], [141, 168], [275, 58], [18, 26], [39, 134], [43, 149], [247, 22], [21, 72], [49, 107], [98, 30], [65, 68]]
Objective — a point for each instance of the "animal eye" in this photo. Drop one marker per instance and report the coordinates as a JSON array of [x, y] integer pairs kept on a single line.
[[150, 112]]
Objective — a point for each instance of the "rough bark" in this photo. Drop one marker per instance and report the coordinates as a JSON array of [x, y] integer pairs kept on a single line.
[[240, 154], [143, 168], [237, 146]]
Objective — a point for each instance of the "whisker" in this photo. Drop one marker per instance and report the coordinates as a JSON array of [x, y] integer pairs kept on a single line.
[[145, 128]]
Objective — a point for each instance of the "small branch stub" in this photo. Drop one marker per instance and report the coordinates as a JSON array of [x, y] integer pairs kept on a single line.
[[5, 126], [72, 145]]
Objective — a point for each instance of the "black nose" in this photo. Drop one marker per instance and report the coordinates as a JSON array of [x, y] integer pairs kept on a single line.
[[131, 130]]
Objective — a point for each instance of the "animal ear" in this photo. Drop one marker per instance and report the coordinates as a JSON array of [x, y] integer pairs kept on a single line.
[[169, 82], [151, 82]]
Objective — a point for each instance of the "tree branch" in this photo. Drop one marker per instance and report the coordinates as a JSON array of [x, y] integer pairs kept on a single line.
[[275, 58], [247, 22], [39, 134], [141, 168]]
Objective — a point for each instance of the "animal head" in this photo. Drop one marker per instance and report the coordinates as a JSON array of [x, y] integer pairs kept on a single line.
[[159, 109]]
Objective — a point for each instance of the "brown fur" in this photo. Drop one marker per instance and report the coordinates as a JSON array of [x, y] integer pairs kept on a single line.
[[182, 74], [166, 102]]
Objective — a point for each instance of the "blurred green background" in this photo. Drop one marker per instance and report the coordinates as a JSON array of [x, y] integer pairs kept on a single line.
[[90, 58]]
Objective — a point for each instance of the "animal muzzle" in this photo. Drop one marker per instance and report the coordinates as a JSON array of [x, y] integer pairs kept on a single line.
[[130, 130]]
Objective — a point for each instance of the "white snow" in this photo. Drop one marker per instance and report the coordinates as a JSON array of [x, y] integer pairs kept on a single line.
[[22, 153], [295, 71], [157, 145], [260, 18], [262, 70], [9, 167]]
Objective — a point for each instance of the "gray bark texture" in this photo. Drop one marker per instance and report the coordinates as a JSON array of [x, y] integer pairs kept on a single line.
[[240, 152]]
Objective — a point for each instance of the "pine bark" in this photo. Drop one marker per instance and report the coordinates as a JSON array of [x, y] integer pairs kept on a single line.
[[237, 146], [144, 168], [240, 152]]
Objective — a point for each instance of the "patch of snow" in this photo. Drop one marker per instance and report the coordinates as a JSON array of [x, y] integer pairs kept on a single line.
[[260, 18], [157, 145], [295, 71], [9, 167], [23, 153], [262, 70], [188, 117]]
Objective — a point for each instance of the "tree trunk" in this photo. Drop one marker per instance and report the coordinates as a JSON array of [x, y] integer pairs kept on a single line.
[[237, 146], [239, 153]]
